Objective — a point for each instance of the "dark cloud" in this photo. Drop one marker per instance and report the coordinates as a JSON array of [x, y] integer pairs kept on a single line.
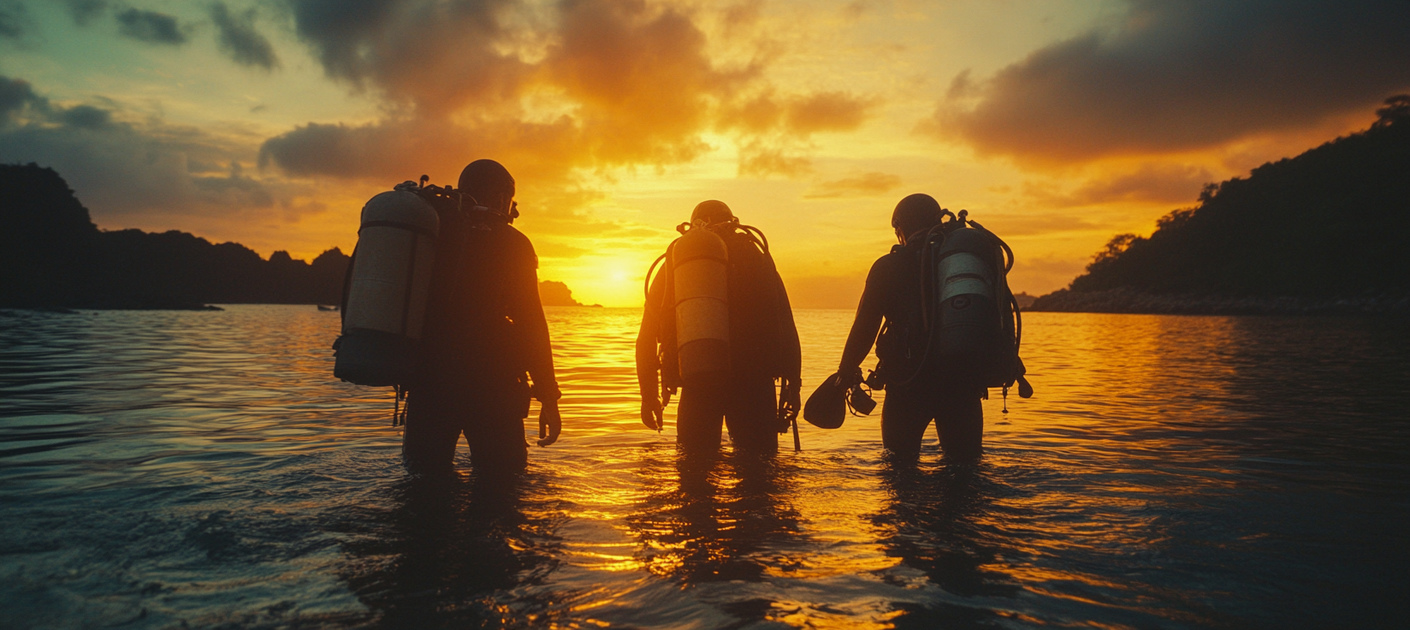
[[1182, 75], [15, 94], [856, 186], [83, 11], [14, 19], [122, 169], [150, 27], [234, 189], [86, 116], [241, 40], [434, 55]]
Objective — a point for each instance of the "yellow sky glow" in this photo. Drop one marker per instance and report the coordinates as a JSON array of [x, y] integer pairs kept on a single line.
[[617, 116]]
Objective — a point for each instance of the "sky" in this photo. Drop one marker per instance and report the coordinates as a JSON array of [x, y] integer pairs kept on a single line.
[[1057, 123]]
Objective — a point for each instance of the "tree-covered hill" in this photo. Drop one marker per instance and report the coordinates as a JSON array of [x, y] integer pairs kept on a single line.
[[52, 256], [1328, 228]]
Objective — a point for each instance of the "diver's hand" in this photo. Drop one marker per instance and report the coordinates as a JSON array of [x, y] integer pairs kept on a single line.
[[550, 423], [792, 394], [788, 403], [846, 377], [651, 413]]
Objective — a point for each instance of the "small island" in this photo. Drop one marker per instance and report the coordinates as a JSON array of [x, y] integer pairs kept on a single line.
[[1322, 233], [554, 293]]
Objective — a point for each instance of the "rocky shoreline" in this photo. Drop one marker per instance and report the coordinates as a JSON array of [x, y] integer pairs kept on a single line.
[[1138, 302]]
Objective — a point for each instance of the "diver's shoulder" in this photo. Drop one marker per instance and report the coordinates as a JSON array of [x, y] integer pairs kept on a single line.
[[515, 241]]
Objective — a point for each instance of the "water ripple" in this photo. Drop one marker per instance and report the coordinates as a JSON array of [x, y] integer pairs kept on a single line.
[[160, 469]]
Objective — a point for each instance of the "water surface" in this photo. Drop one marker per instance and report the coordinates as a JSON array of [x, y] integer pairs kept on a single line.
[[161, 469]]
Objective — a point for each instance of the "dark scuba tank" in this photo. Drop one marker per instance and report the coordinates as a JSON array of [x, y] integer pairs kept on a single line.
[[387, 290], [966, 309], [700, 280]]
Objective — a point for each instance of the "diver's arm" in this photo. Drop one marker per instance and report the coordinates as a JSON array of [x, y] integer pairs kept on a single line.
[[867, 322], [526, 311], [792, 359], [647, 362]]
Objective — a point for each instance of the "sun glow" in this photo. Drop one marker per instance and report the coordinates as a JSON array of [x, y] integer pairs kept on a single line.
[[613, 279]]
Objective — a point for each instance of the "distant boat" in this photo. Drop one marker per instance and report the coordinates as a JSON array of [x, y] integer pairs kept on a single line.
[[322, 307]]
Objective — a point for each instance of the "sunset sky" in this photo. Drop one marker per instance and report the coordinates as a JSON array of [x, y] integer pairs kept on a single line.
[[1057, 123]]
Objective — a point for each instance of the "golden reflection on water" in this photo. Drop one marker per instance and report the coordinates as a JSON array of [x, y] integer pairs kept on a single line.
[[1163, 459]]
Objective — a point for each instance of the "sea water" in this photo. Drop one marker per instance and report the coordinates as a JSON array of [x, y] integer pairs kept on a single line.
[[172, 469]]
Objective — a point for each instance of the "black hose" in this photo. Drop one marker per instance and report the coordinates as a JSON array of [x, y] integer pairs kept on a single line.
[[756, 235], [1008, 253], [647, 289]]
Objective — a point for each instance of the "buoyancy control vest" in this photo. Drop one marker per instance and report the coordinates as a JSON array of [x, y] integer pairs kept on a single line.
[[970, 323]]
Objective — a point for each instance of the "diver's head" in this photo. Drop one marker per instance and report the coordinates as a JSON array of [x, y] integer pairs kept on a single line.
[[916, 213], [490, 184], [711, 212]]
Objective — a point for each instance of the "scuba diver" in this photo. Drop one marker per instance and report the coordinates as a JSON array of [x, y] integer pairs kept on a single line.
[[484, 346], [718, 327], [951, 330]]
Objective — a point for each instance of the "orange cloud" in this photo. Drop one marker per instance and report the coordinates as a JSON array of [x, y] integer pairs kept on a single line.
[[826, 111], [1153, 182]]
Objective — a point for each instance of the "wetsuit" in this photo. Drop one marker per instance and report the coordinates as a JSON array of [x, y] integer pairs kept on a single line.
[[485, 340], [763, 346], [892, 294]]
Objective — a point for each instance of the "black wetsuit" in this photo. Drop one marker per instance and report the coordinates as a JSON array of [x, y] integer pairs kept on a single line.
[[484, 342], [893, 294], [763, 346]]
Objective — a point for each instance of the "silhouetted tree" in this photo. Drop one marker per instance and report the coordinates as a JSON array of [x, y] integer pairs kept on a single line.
[[1329, 223], [51, 255]]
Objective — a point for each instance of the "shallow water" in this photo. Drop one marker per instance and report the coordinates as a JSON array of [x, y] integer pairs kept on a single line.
[[203, 468]]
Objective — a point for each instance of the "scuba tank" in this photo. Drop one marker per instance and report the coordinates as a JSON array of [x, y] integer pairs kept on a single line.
[[387, 288], [700, 281], [971, 321], [964, 281]]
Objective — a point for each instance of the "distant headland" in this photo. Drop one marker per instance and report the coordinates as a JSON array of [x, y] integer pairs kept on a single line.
[[554, 293], [52, 256], [1325, 232]]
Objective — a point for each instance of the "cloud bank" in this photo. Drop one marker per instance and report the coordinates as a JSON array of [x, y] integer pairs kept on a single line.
[[1185, 75], [123, 168], [576, 85]]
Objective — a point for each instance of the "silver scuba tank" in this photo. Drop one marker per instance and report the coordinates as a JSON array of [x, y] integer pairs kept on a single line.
[[966, 278], [387, 290], [700, 279]]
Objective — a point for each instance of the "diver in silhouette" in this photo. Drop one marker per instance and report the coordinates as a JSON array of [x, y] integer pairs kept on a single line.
[[718, 326], [893, 296], [485, 347]]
